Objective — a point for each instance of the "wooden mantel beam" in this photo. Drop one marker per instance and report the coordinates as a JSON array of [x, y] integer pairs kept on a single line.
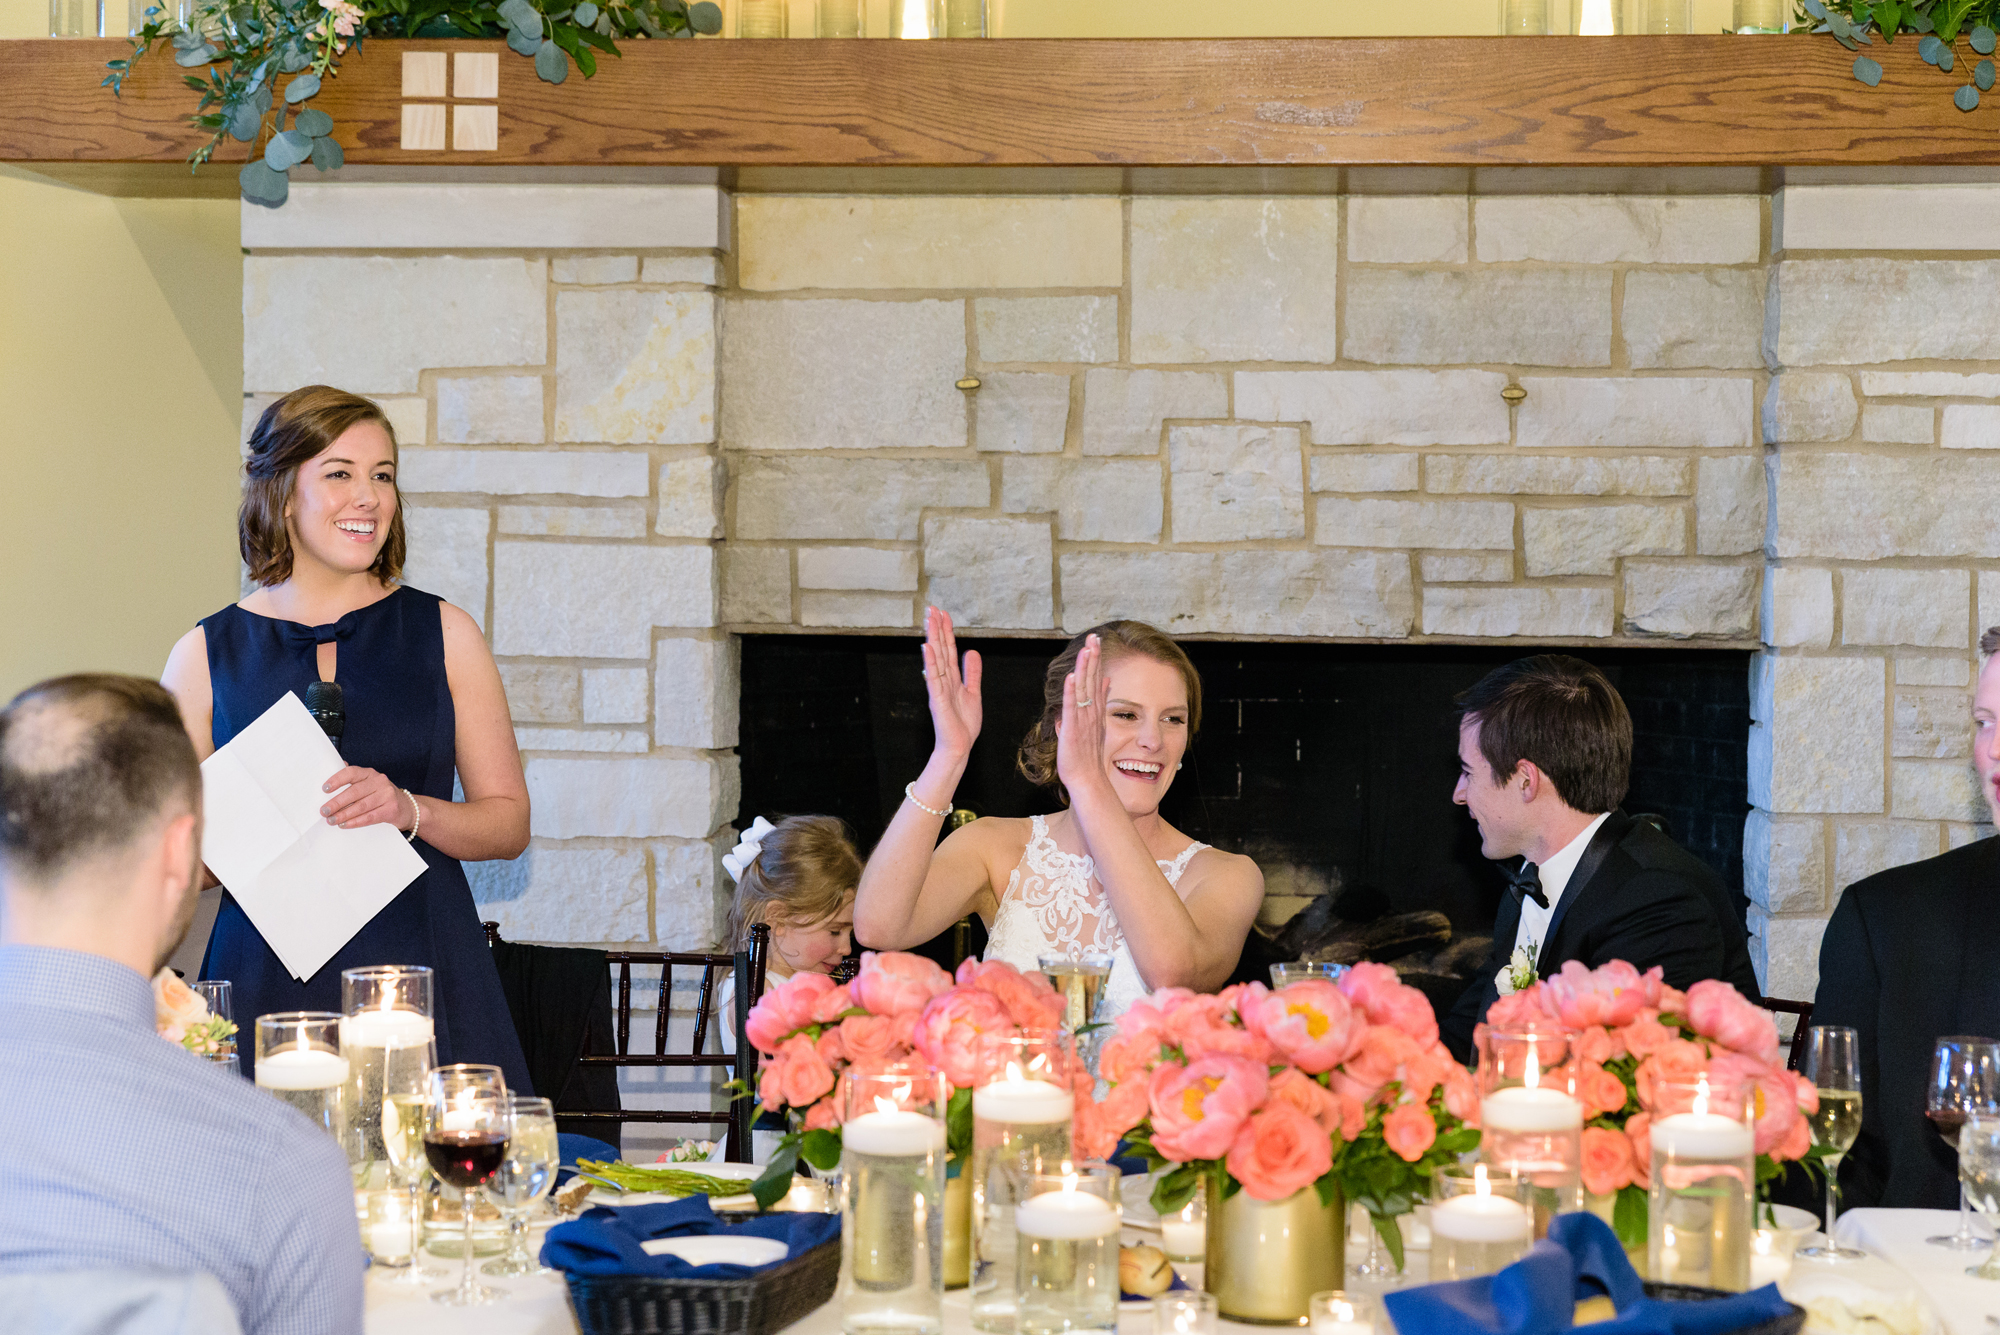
[[1627, 101]]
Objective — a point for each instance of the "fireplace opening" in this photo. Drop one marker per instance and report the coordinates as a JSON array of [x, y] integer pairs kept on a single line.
[[1332, 765]]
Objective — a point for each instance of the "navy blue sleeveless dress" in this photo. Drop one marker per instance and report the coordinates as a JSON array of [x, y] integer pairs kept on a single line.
[[390, 667]]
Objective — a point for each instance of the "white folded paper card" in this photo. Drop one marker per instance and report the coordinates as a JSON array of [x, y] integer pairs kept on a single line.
[[308, 886]]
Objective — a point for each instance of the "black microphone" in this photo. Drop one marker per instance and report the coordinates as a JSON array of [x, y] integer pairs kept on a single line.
[[324, 703]]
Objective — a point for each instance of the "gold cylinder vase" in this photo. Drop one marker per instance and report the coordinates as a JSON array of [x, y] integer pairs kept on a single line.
[[957, 1231], [1266, 1258]]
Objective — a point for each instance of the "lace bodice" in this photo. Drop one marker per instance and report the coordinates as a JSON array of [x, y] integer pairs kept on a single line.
[[1055, 905]]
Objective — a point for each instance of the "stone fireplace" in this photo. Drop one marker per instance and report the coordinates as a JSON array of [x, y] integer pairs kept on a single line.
[[1516, 407]]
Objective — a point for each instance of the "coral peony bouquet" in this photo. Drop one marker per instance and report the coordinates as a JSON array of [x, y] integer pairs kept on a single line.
[[811, 1030], [1317, 1084], [1627, 1034]]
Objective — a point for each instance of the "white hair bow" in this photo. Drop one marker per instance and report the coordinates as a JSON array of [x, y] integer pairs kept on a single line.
[[746, 851]]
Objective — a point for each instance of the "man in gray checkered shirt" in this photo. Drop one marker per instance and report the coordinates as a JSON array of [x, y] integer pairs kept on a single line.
[[119, 1150]]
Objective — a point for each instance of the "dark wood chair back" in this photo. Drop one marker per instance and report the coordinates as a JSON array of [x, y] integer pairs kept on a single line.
[[1802, 1009], [747, 966]]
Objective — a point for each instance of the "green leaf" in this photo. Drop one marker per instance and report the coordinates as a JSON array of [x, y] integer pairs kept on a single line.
[[821, 1149], [301, 88], [200, 55], [1966, 98], [1919, 22], [1929, 49], [328, 155], [527, 43], [586, 60], [261, 185], [958, 1125], [314, 122], [704, 16], [245, 123], [777, 1179], [1946, 60], [551, 65], [520, 14], [1868, 71], [1392, 1237], [287, 150], [1628, 1216], [1328, 1187], [586, 14], [1174, 1189], [1981, 39], [1982, 75]]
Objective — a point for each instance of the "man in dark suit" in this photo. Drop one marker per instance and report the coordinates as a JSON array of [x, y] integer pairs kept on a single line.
[[1545, 757], [1911, 955]]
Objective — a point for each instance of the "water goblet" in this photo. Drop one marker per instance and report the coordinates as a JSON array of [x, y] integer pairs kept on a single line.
[[1964, 1080], [1833, 1064], [522, 1180], [467, 1120], [1979, 1179]]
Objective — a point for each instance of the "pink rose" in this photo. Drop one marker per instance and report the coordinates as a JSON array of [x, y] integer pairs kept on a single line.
[[1774, 1097], [1596, 1044], [1676, 1060], [1607, 1160], [1646, 1035], [1279, 1152], [1309, 1096], [830, 1006], [1384, 999], [1310, 1024], [1719, 1011], [1029, 999], [1198, 1108], [1099, 1126], [785, 1009], [1353, 1115], [896, 981], [1205, 1026], [829, 1047], [1128, 1057], [804, 1074], [1671, 1002], [1653, 983], [1383, 1053], [1639, 1130], [1796, 1144], [822, 1116], [952, 1031], [1461, 1095], [1409, 1130], [1524, 1010], [1611, 994], [867, 1036], [1601, 1093]]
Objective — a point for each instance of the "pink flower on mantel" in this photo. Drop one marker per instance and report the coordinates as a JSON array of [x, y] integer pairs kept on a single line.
[[345, 15], [1198, 1108], [896, 981], [1612, 994], [1409, 1130], [1310, 1024], [1386, 1000], [1719, 1011], [785, 1009], [1278, 1152]]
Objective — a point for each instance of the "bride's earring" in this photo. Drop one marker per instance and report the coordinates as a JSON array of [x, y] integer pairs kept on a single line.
[[1179, 765]]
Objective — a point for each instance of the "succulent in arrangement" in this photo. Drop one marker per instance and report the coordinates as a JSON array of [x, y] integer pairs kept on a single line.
[[255, 63], [1937, 24]]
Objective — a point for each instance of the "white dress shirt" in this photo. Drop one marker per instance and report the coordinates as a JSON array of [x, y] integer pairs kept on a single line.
[[1555, 874]]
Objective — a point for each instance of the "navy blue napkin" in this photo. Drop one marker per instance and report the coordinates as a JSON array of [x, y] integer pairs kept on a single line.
[[1537, 1295], [607, 1241]]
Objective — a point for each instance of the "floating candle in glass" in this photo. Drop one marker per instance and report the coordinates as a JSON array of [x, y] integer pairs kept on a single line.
[[1066, 1264], [298, 1059], [892, 1162], [1021, 1120], [1704, 1187], [1336, 1312], [389, 1040], [1480, 1222], [1531, 1125]]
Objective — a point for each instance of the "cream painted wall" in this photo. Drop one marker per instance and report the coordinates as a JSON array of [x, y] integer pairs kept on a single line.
[[121, 356]]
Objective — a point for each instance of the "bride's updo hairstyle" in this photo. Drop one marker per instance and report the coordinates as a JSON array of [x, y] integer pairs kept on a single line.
[[292, 433], [1118, 639]]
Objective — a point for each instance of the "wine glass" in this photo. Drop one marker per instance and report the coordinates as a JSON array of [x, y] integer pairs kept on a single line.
[[522, 1179], [403, 1117], [1979, 1179], [467, 1120], [1965, 1080], [1833, 1064]]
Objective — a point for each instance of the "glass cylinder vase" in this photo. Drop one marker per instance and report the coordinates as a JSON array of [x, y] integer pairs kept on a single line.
[[1022, 1113], [763, 18], [1481, 1221], [1531, 1123], [1701, 1202], [1066, 1262], [840, 18], [892, 1163], [390, 1043], [1266, 1259], [298, 1060]]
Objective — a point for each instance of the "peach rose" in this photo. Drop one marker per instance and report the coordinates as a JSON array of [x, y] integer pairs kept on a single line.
[[1309, 1096], [1198, 1108], [176, 1006], [1639, 1130], [1610, 994], [1206, 1027], [1527, 1009], [1596, 1044], [1099, 1126], [1128, 1056], [1461, 1095], [895, 981], [1278, 1152], [1675, 1060], [1646, 1035], [1380, 1059], [795, 1076], [828, 1007], [1353, 1115], [1409, 1130], [829, 1047], [1029, 999], [1719, 1011], [822, 1116], [868, 1036], [1310, 1024], [952, 1029], [1607, 1160], [1601, 1093], [784, 1010], [1387, 1001]]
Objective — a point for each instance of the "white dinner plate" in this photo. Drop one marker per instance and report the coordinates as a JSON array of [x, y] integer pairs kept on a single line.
[[714, 1249]]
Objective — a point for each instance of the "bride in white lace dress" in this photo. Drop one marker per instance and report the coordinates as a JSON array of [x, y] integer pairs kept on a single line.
[[1107, 875]]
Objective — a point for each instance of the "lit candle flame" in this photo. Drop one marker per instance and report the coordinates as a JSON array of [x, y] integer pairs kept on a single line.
[[1533, 1077], [883, 1105], [1480, 1186], [1595, 20], [1701, 1096], [1014, 1076]]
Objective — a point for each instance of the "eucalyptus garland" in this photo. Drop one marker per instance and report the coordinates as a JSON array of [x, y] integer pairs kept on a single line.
[[239, 50], [1937, 25]]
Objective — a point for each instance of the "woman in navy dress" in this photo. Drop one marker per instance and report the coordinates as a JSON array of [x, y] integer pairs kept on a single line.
[[321, 530]]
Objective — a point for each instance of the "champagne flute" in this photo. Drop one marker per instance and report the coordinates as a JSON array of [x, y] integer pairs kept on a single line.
[[1833, 1064], [1979, 1179], [1965, 1080], [466, 1126], [403, 1138], [522, 1179]]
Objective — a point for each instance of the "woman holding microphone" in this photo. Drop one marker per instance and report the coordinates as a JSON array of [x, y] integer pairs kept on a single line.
[[321, 531]]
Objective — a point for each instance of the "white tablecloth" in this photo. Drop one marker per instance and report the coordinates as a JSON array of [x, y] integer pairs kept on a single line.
[[1899, 1258]]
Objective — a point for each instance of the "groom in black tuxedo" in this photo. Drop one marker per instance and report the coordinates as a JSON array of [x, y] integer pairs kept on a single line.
[[1910, 956], [1545, 756]]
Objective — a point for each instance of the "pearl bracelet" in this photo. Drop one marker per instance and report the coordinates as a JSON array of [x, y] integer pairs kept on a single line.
[[910, 791], [416, 817]]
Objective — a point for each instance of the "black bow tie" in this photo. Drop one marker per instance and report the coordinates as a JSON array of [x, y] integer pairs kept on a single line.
[[1525, 880]]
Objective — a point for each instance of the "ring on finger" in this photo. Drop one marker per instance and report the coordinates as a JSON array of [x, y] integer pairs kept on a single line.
[[1083, 704]]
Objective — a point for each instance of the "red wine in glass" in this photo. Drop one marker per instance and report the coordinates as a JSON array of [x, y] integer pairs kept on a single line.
[[466, 1158]]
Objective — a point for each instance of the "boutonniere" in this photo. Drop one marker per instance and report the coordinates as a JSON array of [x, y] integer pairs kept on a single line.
[[1519, 975]]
